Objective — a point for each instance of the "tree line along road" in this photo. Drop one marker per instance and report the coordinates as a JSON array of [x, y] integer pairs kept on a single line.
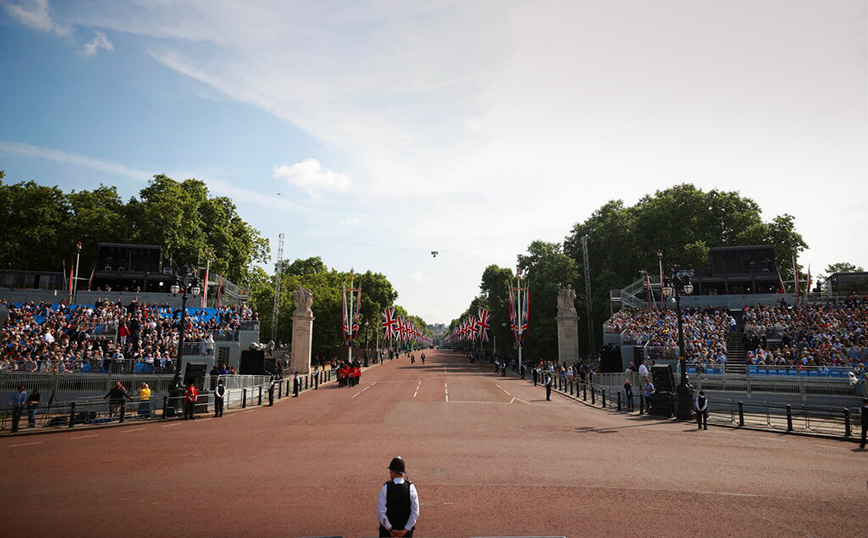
[[488, 454]]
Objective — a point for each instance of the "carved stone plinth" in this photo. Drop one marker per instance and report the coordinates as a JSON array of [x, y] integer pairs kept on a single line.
[[302, 343], [568, 327], [302, 332]]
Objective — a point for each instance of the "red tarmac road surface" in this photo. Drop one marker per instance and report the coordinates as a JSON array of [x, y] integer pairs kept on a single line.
[[489, 455]]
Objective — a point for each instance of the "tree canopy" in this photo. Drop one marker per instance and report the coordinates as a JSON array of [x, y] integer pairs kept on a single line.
[[326, 284], [41, 226], [683, 222]]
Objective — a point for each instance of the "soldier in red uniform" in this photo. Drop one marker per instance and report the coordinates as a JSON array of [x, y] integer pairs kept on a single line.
[[357, 375], [190, 397]]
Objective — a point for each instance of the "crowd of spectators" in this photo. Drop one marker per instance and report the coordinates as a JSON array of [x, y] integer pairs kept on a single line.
[[815, 335], [106, 336], [705, 331]]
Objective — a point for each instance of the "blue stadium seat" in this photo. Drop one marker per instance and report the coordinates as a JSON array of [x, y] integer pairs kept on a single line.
[[837, 372], [85, 368], [814, 373], [792, 371], [691, 370], [751, 370], [139, 367], [762, 371]]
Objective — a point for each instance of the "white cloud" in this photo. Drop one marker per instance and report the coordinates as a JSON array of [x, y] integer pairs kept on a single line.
[[34, 14], [100, 41], [27, 150], [313, 178], [417, 276]]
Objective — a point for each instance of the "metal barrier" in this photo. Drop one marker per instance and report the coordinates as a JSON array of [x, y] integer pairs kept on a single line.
[[823, 420]]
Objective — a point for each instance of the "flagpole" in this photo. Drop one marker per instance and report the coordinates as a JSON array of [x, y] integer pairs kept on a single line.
[[518, 315], [350, 322], [75, 283]]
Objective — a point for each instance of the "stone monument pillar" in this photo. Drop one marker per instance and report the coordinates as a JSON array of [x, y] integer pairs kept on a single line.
[[568, 327], [302, 332]]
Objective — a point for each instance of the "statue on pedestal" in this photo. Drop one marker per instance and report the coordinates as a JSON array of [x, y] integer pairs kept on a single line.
[[303, 298], [566, 301]]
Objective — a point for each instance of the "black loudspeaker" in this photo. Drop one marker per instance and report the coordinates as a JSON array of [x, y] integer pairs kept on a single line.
[[661, 404], [252, 362], [610, 359], [663, 377]]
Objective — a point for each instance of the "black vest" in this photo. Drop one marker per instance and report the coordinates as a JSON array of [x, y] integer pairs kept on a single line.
[[398, 503], [700, 402]]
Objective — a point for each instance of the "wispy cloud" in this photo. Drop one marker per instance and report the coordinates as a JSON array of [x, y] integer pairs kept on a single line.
[[35, 14], [100, 41], [19, 148], [313, 178]]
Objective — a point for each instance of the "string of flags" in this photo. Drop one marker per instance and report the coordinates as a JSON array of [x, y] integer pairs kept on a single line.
[[401, 329], [472, 329]]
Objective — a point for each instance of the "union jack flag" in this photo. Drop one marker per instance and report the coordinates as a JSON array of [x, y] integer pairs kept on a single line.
[[389, 323], [483, 324]]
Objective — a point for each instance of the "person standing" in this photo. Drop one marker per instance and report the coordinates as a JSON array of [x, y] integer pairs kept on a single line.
[[145, 401], [296, 384], [863, 411], [17, 402], [219, 397], [647, 392], [398, 503], [700, 405], [548, 385], [190, 397], [535, 372], [271, 384], [117, 397], [628, 392], [643, 369], [32, 406]]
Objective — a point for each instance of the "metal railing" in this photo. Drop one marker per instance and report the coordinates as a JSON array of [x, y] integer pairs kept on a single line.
[[767, 415], [242, 391]]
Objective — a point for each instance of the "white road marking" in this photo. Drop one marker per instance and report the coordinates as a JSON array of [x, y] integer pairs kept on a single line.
[[170, 425], [25, 444], [136, 430], [503, 389], [82, 437], [415, 393], [364, 389]]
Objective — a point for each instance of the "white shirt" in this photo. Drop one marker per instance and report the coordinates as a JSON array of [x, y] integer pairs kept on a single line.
[[643, 370], [414, 506]]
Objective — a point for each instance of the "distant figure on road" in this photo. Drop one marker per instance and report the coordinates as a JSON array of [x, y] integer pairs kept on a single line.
[[17, 402], [271, 385], [398, 503], [548, 385], [296, 385], [701, 408], [628, 391], [863, 411], [423, 358], [117, 397], [190, 397], [219, 396], [647, 392]]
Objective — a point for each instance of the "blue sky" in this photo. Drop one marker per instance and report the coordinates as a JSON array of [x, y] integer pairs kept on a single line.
[[373, 132]]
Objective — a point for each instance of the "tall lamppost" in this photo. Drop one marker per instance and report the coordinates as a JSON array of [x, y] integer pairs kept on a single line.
[[188, 285], [676, 285]]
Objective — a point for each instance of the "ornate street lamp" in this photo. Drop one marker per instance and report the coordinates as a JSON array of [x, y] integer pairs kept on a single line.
[[187, 285], [676, 285]]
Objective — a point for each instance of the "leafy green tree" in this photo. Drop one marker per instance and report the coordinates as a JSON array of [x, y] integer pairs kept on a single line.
[[684, 223], [546, 270], [31, 215], [843, 267]]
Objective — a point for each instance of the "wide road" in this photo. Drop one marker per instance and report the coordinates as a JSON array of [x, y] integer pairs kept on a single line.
[[489, 455]]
